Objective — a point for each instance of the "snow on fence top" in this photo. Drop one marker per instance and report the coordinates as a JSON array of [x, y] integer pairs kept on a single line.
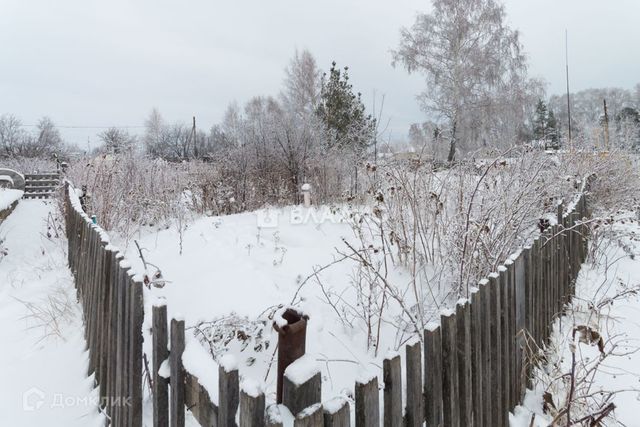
[[302, 369]]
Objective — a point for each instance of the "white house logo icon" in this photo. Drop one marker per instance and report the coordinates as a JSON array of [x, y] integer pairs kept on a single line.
[[32, 399]]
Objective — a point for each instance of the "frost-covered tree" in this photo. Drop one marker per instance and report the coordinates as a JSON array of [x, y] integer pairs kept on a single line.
[[474, 69], [11, 134], [44, 141], [153, 138], [587, 109], [302, 83], [117, 141]]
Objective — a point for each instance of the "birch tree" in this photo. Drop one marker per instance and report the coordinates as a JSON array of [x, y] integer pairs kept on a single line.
[[472, 63]]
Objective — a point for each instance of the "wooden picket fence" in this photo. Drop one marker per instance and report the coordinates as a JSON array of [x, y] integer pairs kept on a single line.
[[113, 312], [470, 370]]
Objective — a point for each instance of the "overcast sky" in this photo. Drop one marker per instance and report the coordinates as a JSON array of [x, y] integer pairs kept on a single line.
[[103, 63]]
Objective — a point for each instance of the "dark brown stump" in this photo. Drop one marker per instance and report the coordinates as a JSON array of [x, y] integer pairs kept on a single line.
[[291, 343]]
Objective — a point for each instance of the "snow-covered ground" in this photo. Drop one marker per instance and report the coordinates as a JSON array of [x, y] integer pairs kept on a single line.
[[238, 269], [606, 301], [43, 362]]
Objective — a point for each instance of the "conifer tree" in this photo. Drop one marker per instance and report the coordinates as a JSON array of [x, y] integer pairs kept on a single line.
[[540, 121], [552, 129], [343, 112]]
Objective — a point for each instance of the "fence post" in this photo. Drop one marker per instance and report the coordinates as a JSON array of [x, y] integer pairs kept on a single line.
[[496, 349], [310, 417], [367, 403], [114, 297], [301, 389], [337, 413], [415, 410], [503, 390], [160, 354], [177, 373], [433, 375], [228, 391], [511, 342], [126, 345], [392, 378], [476, 356], [251, 406], [465, 393], [135, 360], [120, 409], [450, 396], [488, 394], [103, 317]]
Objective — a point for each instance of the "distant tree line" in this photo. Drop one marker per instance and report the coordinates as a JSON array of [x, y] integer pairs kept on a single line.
[[588, 116], [15, 141], [316, 130]]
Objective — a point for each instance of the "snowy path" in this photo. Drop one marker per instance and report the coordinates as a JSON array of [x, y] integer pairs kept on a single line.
[[43, 361]]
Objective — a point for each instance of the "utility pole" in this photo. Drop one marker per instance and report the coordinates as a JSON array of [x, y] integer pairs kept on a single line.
[[566, 51], [193, 136], [606, 126]]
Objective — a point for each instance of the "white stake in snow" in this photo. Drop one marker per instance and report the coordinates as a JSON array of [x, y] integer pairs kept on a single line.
[[306, 193]]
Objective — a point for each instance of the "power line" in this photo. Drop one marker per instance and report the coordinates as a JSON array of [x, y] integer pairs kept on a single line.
[[90, 127], [566, 52]]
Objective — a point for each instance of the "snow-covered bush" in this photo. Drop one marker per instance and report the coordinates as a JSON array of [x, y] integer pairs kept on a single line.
[[449, 228], [126, 192]]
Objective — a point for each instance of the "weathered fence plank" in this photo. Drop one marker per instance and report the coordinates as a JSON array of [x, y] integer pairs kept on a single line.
[[476, 356], [465, 389], [511, 328], [135, 358], [367, 403], [159, 355], [228, 395], [392, 378], [450, 396], [497, 370], [177, 379], [298, 396], [310, 417], [505, 338], [487, 392], [252, 406], [433, 375], [415, 411], [337, 413]]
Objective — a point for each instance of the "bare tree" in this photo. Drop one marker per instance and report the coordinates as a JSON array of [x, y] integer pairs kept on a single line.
[[15, 141], [11, 134], [48, 137]]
